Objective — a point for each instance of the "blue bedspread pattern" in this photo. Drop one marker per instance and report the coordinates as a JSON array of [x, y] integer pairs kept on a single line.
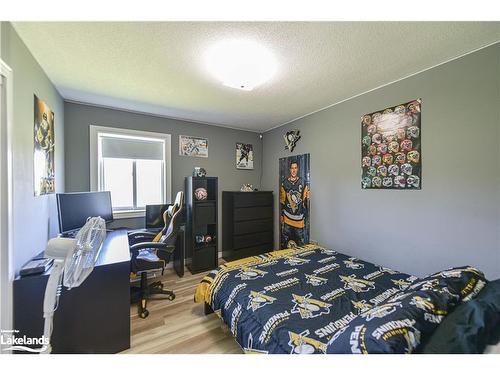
[[315, 300]]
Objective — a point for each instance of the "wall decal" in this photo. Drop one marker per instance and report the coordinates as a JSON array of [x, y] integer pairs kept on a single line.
[[43, 151], [244, 156], [391, 148], [291, 138], [294, 200], [193, 146]]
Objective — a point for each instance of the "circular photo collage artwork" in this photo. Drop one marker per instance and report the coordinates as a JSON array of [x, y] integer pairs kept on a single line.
[[390, 148]]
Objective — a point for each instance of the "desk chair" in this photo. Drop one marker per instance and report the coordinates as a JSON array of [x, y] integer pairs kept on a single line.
[[150, 252]]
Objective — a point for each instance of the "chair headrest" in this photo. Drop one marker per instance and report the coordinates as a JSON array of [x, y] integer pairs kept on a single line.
[[179, 199]]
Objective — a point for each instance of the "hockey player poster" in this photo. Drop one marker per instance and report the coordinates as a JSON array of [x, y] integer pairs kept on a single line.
[[294, 200], [244, 156], [43, 153]]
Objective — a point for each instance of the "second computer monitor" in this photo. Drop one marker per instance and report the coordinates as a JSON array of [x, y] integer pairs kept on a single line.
[[154, 215]]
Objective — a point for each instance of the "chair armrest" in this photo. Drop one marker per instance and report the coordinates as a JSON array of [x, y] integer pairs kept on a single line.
[[142, 233], [169, 249]]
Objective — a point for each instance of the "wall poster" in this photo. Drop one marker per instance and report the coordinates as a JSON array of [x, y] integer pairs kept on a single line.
[[43, 151], [391, 148], [193, 146], [294, 198], [244, 156]]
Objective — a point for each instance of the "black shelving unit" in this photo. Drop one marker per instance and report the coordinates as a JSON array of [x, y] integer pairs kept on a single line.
[[201, 219]]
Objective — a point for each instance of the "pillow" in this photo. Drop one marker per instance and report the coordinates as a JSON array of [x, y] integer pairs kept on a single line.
[[397, 325], [471, 326], [400, 323], [466, 282]]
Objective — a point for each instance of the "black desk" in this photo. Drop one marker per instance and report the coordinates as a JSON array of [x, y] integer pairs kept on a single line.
[[93, 318]]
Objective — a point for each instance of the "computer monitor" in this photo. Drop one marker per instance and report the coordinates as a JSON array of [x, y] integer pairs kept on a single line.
[[154, 215], [74, 208]]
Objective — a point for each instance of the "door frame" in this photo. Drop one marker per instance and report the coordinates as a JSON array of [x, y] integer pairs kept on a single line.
[[6, 212]]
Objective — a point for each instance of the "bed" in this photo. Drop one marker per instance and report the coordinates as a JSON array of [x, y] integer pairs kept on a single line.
[[312, 299]]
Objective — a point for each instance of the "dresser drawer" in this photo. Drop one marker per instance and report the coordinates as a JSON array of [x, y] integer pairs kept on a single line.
[[253, 213], [252, 199], [248, 251], [247, 240], [252, 226]]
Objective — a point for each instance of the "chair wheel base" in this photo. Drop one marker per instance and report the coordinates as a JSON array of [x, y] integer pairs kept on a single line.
[[144, 314]]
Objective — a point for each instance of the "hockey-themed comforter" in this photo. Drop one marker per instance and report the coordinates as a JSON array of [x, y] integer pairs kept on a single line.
[[314, 300]]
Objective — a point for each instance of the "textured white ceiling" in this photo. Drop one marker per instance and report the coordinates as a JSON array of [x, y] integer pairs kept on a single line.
[[157, 67]]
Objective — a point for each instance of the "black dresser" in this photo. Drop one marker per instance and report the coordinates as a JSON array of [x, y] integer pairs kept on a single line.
[[247, 223]]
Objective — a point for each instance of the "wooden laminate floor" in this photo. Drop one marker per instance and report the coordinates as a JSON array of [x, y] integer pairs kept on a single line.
[[179, 326]]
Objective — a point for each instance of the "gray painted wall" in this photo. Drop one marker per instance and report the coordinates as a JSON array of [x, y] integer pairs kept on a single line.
[[455, 219], [34, 218], [221, 150]]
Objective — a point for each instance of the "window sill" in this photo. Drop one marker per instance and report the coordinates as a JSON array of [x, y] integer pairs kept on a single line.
[[128, 214]]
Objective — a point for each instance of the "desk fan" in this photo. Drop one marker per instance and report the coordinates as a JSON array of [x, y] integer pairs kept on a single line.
[[74, 260]]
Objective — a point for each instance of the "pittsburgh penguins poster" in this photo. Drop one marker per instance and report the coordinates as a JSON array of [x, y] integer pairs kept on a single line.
[[244, 156], [43, 166], [294, 200], [391, 148]]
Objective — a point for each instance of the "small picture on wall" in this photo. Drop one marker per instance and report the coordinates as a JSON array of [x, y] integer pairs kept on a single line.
[[294, 198], [391, 148], [43, 152], [193, 146], [244, 156]]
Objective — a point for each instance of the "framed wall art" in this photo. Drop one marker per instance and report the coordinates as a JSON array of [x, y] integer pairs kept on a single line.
[[391, 155], [193, 146], [43, 150], [244, 156]]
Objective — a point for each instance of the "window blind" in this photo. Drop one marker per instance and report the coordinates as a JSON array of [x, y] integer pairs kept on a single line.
[[130, 148]]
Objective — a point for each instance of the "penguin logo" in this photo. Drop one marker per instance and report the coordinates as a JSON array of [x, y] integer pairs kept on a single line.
[[302, 344], [381, 311], [316, 280], [353, 265], [361, 305], [387, 270], [247, 273], [308, 307], [328, 252], [357, 285], [295, 261], [422, 303], [256, 300], [398, 297], [402, 284]]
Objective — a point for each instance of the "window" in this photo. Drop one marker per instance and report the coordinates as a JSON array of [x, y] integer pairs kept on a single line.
[[133, 165]]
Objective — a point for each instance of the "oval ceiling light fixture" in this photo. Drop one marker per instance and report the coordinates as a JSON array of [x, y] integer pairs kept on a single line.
[[241, 63]]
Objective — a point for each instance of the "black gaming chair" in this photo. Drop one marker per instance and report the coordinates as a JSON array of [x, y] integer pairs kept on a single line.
[[150, 252]]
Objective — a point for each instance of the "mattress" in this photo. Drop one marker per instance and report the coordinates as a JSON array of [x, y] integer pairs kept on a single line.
[[294, 300]]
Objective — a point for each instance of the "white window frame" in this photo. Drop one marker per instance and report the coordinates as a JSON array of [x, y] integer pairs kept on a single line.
[[95, 130]]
